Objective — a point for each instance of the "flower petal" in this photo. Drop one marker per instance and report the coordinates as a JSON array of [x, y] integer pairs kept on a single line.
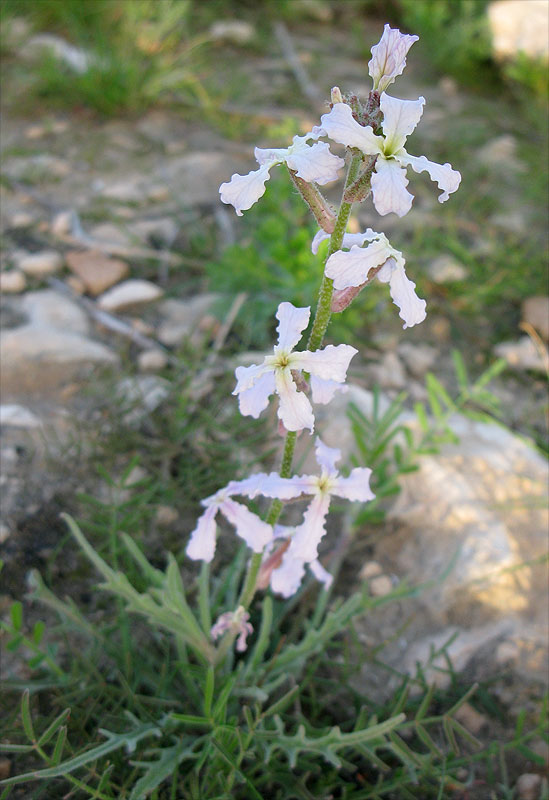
[[286, 579], [400, 118], [272, 485], [389, 57], [292, 322], [315, 163], [320, 236], [202, 543], [242, 191], [389, 184], [270, 156], [402, 289], [327, 457], [323, 391], [249, 527], [321, 574], [294, 410], [352, 268], [342, 127], [254, 400], [308, 535], [331, 363], [448, 179], [356, 486], [246, 377]]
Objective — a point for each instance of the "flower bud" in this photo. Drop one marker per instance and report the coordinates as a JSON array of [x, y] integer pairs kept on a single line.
[[342, 298], [336, 95]]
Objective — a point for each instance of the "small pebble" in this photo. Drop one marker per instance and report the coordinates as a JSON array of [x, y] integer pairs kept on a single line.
[[370, 570], [470, 718], [528, 786], [40, 265], [12, 282], [62, 223], [152, 360], [5, 768], [21, 220], [380, 586], [35, 132], [506, 652], [166, 516]]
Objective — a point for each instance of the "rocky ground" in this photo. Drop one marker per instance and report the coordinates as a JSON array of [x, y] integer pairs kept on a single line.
[[102, 297]]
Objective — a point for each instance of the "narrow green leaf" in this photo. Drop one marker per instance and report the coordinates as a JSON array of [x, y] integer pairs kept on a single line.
[[209, 691], [190, 719], [427, 740], [38, 632], [281, 704], [469, 693], [228, 758], [59, 746], [460, 369], [26, 716], [425, 703], [464, 733], [17, 615], [221, 704], [53, 727]]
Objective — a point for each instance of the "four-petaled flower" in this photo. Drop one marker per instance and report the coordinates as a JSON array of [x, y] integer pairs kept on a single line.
[[249, 527], [389, 180], [351, 269], [313, 163], [327, 369], [389, 57]]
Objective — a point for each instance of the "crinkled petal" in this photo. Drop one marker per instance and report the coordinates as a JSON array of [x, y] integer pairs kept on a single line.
[[389, 184], [254, 400], [201, 546], [341, 126], [356, 486], [323, 391], [327, 457], [349, 239], [249, 527], [272, 485], [294, 410], [242, 191], [321, 574], [308, 535], [400, 118], [292, 322], [270, 155], [286, 579], [331, 363], [246, 377], [319, 237], [315, 163], [351, 268], [448, 179], [402, 290], [389, 57]]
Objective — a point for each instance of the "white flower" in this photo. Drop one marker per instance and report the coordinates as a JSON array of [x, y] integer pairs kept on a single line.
[[305, 541], [351, 269], [236, 621], [310, 162], [389, 57], [327, 368], [286, 577], [389, 180], [249, 527]]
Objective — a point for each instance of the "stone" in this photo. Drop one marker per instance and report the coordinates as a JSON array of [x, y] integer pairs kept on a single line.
[[41, 265], [126, 191], [97, 271], [234, 31], [110, 234], [528, 786], [35, 132], [535, 311], [37, 168], [157, 231], [470, 718], [129, 294], [21, 220], [501, 154], [140, 396], [5, 768], [519, 26], [166, 516], [50, 309], [152, 360], [43, 360], [507, 652], [370, 570], [419, 358], [63, 222], [445, 269], [182, 317], [389, 372], [523, 355], [12, 282], [18, 416], [380, 585]]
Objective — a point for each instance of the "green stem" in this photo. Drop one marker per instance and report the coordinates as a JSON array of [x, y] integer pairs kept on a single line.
[[323, 310]]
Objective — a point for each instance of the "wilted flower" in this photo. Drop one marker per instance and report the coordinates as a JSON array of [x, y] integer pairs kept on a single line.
[[389, 180], [327, 368], [235, 621], [389, 57], [312, 163]]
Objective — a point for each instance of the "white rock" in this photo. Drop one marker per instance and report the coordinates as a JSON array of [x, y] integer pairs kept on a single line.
[[419, 358], [523, 354], [63, 222], [129, 294], [232, 30], [388, 372], [18, 416], [127, 191], [166, 516], [370, 570], [12, 282], [182, 317], [445, 269], [21, 220], [49, 309], [152, 360], [380, 585], [470, 718], [519, 26], [535, 311], [41, 265], [529, 786], [163, 230]]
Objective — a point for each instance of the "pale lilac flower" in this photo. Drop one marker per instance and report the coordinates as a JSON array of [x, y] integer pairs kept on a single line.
[[307, 536], [389, 57], [286, 577], [249, 527], [235, 621], [389, 180], [312, 163], [351, 268], [327, 368]]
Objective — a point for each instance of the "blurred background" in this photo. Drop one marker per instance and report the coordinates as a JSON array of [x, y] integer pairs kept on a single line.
[[120, 118]]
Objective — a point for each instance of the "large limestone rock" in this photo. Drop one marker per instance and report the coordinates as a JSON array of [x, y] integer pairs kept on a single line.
[[519, 26]]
